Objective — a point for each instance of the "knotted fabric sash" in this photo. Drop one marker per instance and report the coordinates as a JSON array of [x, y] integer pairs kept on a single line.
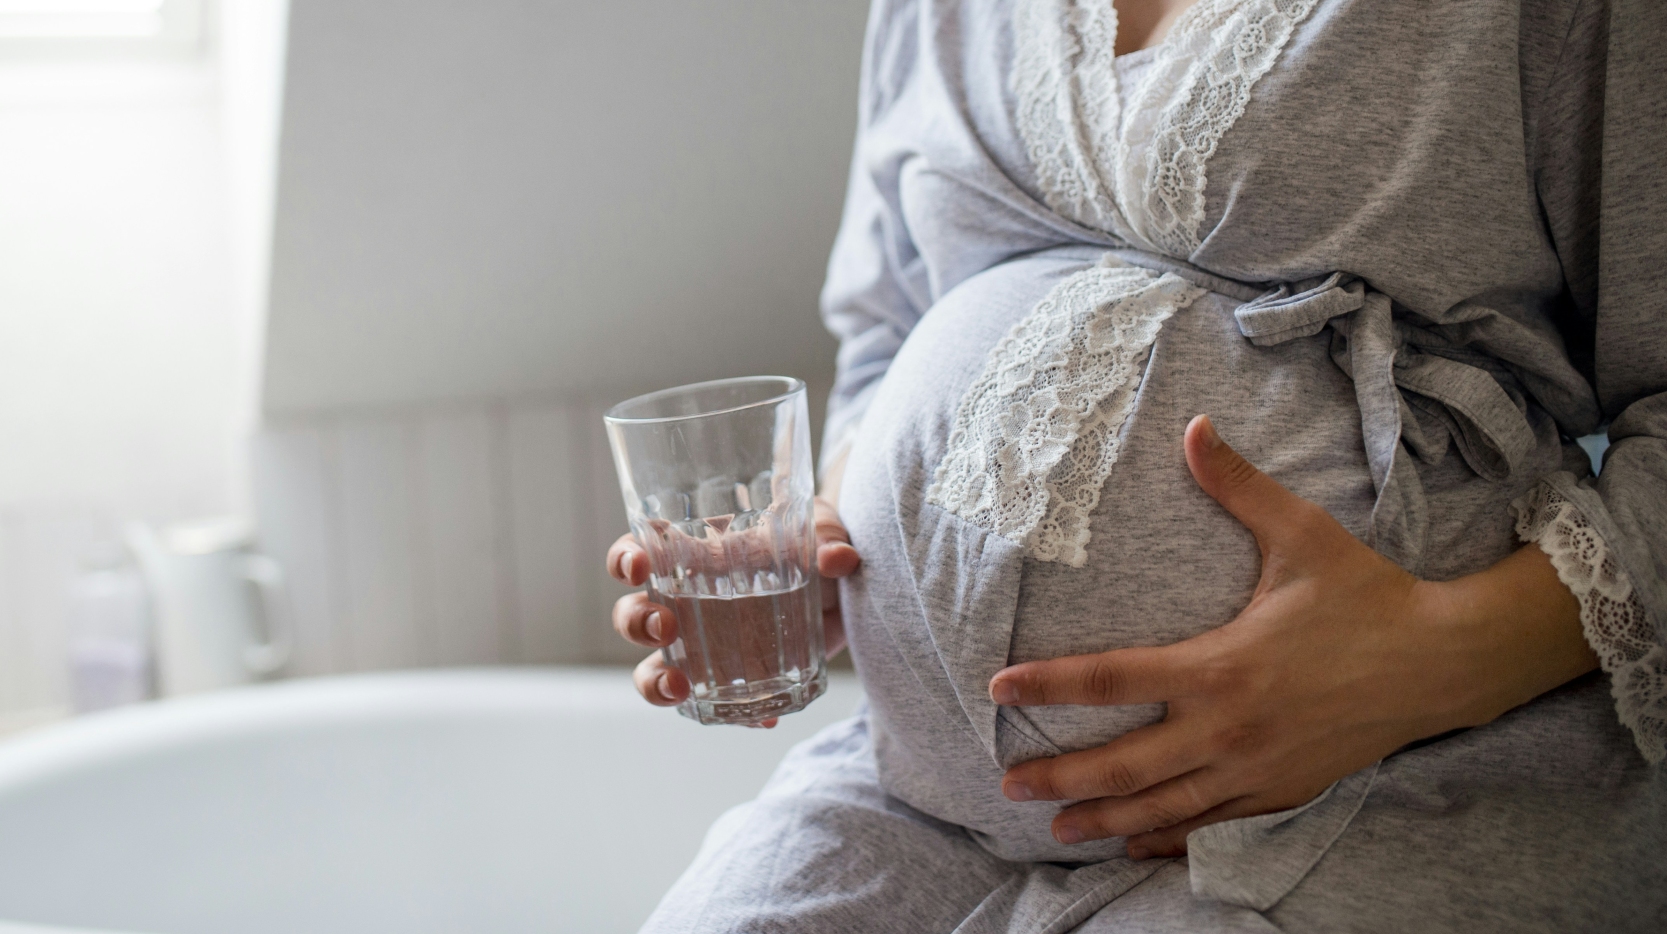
[[1417, 390], [1399, 372]]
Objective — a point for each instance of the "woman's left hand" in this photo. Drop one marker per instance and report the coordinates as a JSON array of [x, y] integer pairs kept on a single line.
[[1340, 658]]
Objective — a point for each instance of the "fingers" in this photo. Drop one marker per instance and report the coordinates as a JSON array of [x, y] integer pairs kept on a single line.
[[1128, 764], [627, 561], [659, 683], [663, 686], [834, 555], [1126, 676], [639, 620], [1172, 841], [836, 559], [828, 526], [1253, 497], [1164, 805]]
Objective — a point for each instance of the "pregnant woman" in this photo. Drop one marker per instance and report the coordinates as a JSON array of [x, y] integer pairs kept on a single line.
[[1368, 647]]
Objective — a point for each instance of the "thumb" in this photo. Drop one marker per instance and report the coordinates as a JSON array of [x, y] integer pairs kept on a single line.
[[834, 555], [1253, 497]]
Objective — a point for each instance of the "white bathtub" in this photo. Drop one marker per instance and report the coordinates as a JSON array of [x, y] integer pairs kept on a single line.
[[475, 801]]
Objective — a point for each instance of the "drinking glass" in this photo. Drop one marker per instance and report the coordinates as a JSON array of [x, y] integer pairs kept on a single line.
[[718, 486]]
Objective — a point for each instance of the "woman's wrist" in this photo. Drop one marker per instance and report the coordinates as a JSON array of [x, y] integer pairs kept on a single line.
[[1502, 637]]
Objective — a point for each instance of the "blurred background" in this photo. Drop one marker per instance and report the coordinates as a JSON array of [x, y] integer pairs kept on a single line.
[[309, 310]]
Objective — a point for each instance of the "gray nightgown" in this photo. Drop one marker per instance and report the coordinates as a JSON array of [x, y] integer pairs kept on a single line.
[[1364, 236]]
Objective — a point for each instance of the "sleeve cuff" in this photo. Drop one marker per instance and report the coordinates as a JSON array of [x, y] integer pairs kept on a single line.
[[1612, 616]]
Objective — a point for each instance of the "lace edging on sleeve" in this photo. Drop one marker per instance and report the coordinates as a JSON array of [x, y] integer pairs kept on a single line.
[[1612, 616]]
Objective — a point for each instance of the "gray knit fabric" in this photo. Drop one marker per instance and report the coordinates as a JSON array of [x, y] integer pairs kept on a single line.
[[1397, 304]]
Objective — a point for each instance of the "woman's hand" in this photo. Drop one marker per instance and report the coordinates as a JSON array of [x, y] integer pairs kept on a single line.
[[1340, 658], [655, 625]]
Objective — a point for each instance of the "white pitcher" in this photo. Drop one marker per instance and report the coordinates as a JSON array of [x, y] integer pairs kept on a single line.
[[219, 606]]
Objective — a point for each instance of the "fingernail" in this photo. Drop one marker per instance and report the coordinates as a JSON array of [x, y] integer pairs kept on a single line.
[[1068, 835], [655, 626], [1018, 791], [1004, 692], [627, 564], [1211, 439], [665, 687], [1139, 852]]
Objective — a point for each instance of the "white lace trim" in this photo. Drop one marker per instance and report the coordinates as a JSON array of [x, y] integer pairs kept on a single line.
[[1036, 435], [1611, 614], [1217, 88], [1162, 92], [1143, 180], [1065, 84]]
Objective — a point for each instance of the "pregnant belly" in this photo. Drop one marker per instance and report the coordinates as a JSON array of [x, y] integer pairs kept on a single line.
[[1162, 562]]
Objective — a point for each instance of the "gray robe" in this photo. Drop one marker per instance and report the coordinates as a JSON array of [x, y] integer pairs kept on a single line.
[[1364, 236]]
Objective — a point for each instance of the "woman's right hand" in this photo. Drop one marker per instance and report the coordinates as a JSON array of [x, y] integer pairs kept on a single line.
[[655, 625]]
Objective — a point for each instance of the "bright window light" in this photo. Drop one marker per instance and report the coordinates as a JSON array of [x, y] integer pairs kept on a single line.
[[93, 19]]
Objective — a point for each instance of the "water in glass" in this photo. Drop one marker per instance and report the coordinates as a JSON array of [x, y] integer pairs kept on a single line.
[[718, 487]]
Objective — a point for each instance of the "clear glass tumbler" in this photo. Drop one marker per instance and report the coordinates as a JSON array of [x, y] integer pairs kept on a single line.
[[718, 486]]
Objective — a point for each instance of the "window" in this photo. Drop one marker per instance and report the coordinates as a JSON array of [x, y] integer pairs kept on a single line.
[[40, 30]]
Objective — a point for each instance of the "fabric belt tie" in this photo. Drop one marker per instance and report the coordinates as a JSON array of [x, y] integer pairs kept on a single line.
[[1401, 372]]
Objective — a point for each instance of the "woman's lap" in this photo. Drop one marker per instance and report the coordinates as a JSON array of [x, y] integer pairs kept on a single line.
[[1544, 820], [824, 849], [1468, 834]]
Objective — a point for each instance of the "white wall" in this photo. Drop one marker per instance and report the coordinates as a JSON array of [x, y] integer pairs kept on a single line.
[[113, 294], [492, 219], [504, 197]]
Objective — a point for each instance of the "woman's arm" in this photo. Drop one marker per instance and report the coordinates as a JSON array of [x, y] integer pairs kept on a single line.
[[1600, 161], [877, 287], [1340, 658]]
